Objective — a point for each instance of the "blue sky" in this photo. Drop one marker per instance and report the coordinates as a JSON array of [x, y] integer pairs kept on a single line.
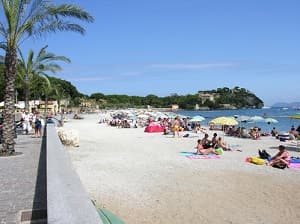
[[161, 47]]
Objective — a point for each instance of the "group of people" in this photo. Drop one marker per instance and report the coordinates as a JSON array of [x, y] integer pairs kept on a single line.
[[242, 132], [32, 121], [206, 146]]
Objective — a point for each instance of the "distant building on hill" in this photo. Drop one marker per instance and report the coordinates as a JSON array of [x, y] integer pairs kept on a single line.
[[204, 96], [174, 107]]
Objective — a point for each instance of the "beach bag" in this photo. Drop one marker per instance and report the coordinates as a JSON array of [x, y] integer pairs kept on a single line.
[[280, 166], [263, 154], [257, 161]]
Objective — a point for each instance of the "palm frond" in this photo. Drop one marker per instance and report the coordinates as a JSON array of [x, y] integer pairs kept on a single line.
[[50, 67], [67, 10], [2, 59], [3, 46], [47, 81], [55, 26], [3, 31]]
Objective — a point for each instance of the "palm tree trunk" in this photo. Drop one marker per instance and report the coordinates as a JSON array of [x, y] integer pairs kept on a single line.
[[9, 96], [27, 92], [46, 105]]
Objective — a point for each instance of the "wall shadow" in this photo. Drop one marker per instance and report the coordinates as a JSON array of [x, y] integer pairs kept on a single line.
[[39, 208]]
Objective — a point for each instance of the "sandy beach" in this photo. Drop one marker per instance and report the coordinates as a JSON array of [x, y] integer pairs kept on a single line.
[[143, 178]]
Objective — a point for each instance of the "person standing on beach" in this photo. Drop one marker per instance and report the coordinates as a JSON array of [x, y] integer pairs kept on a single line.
[[176, 127], [37, 126]]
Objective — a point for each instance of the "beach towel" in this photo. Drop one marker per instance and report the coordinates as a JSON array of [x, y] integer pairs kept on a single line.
[[294, 165], [295, 160], [193, 155], [187, 153], [203, 157]]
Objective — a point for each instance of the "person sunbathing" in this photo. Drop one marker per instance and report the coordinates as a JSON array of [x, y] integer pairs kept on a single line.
[[222, 144], [203, 151], [205, 142], [281, 159]]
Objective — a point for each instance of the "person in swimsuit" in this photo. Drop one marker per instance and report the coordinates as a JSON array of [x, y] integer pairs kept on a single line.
[[222, 144], [206, 142], [203, 151], [176, 126], [281, 158]]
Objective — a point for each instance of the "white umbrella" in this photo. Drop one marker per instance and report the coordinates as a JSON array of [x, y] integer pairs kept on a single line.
[[243, 118], [143, 116], [257, 119], [197, 119], [270, 120]]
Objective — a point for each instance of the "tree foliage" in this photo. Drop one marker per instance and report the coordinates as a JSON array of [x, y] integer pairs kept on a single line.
[[236, 98], [23, 19]]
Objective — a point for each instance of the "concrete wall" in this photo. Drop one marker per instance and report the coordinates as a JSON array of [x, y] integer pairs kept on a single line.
[[67, 200]]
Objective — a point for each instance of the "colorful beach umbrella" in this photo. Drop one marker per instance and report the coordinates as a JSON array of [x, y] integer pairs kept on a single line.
[[224, 121]]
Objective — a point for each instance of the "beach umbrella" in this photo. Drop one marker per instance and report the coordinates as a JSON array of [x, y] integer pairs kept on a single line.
[[197, 119], [183, 116], [143, 116], [257, 119], [171, 114], [270, 120], [224, 121], [243, 118]]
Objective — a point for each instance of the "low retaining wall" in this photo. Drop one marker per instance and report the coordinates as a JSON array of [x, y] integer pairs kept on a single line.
[[67, 200]]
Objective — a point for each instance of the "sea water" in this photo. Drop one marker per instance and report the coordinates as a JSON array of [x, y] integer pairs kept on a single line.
[[280, 114]]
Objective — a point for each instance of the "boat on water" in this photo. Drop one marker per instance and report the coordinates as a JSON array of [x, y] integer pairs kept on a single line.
[[265, 107]]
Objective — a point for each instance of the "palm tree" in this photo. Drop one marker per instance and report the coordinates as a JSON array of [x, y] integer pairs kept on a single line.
[[23, 19], [38, 66], [47, 88]]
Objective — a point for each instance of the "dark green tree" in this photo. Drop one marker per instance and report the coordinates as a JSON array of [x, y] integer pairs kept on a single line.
[[37, 66], [24, 19]]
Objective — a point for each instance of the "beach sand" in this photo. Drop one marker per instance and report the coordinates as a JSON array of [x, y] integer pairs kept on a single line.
[[142, 178]]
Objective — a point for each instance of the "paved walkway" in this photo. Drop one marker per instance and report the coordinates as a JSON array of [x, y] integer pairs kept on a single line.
[[23, 183]]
